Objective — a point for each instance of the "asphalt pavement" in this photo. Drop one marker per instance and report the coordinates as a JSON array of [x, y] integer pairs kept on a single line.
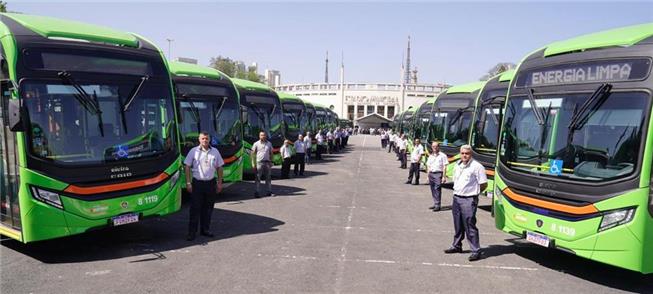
[[350, 225]]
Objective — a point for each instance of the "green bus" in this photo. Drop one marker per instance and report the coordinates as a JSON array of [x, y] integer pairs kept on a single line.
[[576, 149], [207, 100], [294, 116], [261, 113], [406, 123], [311, 123], [484, 135], [451, 121], [321, 117], [88, 132], [396, 123]]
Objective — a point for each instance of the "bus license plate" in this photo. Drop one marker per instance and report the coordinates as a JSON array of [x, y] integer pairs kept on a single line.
[[124, 219], [538, 239]]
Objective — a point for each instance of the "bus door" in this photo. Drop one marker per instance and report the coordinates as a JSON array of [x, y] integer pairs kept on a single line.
[[9, 208]]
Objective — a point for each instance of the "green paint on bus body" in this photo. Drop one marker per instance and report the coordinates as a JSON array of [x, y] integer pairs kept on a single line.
[[40, 220], [626, 245]]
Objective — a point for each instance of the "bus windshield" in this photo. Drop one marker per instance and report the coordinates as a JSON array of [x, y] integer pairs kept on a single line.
[[264, 114], [604, 143], [293, 115], [422, 122], [488, 122], [95, 121], [209, 108], [451, 121]]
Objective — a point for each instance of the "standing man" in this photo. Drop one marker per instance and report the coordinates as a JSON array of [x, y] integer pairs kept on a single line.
[[202, 163], [286, 155], [436, 165], [383, 139], [300, 150], [262, 163], [403, 143], [415, 158], [320, 145], [308, 144], [391, 140], [468, 181], [329, 136]]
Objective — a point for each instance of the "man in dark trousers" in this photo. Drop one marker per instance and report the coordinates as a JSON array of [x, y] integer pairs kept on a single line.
[[300, 156], [415, 160], [469, 180], [436, 165], [202, 164], [287, 156]]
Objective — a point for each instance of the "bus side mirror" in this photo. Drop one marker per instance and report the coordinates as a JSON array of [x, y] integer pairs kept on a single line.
[[243, 114], [13, 110]]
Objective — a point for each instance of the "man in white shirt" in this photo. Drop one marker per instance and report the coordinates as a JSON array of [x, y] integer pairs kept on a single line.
[[415, 158], [308, 144], [201, 165], [300, 154], [262, 163], [403, 143], [337, 134], [391, 140], [468, 181], [287, 156], [330, 137], [319, 138], [436, 166]]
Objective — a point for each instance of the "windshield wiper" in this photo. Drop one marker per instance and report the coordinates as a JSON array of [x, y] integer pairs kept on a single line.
[[89, 103], [597, 99], [458, 115], [217, 114], [135, 92], [539, 117], [195, 113]]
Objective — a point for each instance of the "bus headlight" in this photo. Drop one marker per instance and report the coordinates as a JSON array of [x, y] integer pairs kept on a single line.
[[47, 197], [616, 218], [173, 180], [498, 195]]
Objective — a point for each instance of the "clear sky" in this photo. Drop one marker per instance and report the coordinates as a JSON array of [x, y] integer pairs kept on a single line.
[[452, 42]]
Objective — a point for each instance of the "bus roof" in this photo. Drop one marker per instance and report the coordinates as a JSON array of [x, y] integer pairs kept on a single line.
[[506, 76], [466, 88], [252, 86], [51, 27], [625, 36], [287, 97], [308, 104], [194, 70]]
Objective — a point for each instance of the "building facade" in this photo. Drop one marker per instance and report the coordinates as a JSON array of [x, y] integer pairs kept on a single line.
[[355, 100], [272, 77]]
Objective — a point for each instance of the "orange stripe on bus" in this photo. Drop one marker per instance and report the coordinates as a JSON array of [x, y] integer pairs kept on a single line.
[[229, 160], [116, 187], [489, 172], [578, 210], [453, 158]]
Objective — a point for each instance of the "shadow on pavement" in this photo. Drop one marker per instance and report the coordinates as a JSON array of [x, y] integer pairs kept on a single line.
[[245, 190], [582, 268], [148, 240]]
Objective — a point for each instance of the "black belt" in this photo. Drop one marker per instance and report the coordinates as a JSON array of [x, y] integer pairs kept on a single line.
[[204, 181], [436, 172], [461, 196]]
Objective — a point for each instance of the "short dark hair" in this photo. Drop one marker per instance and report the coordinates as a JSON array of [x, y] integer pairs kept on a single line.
[[205, 134]]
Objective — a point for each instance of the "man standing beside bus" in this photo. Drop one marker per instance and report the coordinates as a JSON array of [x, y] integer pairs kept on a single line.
[[415, 158], [262, 163], [403, 143], [300, 153], [436, 165], [286, 156], [468, 181], [308, 144], [201, 165], [319, 137]]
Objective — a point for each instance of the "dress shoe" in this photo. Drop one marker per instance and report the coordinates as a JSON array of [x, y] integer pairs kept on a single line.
[[190, 237], [256, 195], [432, 207], [453, 250], [475, 256], [407, 183], [416, 184], [436, 209], [207, 234], [271, 194]]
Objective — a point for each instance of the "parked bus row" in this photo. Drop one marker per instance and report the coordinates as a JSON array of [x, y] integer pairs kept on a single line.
[[567, 143], [95, 124]]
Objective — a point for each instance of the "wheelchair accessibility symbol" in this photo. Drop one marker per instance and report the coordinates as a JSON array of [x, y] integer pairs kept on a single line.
[[555, 167]]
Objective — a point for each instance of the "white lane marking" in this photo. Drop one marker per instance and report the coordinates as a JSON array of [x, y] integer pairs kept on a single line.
[[343, 250], [387, 261], [98, 273]]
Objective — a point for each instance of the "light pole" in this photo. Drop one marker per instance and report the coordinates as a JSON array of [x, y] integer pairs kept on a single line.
[[169, 48]]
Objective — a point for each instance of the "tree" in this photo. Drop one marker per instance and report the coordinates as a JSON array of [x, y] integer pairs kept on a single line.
[[224, 64], [497, 69], [3, 6], [252, 74]]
